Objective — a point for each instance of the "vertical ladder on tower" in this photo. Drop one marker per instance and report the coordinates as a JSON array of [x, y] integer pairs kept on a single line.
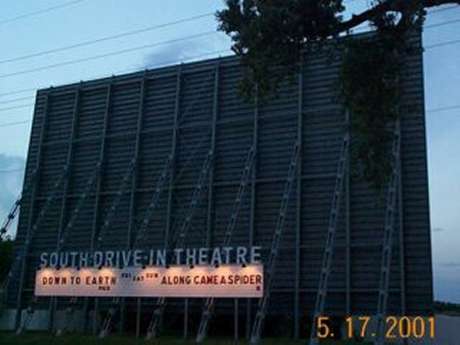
[[388, 234], [209, 303], [30, 311], [276, 241], [331, 235], [69, 313], [107, 322], [111, 313], [90, 184], [76, 211], [154, 202], [25, 252], [179, 240], [116, 202], [17, 204]]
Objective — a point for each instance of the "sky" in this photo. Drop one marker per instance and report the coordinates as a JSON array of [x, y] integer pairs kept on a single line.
[[86, 20]]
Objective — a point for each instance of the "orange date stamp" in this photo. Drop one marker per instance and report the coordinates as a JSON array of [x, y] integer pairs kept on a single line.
[[395, 327]]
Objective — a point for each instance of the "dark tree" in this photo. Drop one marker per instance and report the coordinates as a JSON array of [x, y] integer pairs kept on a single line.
[[272, 33], [271, 36], [6, 257]]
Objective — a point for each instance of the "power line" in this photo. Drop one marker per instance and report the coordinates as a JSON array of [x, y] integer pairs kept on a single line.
[[442, 44], [15, 92], [136, 68], [16, 100], [132, 68], [442, 24], [441, 109], [17, 107], [107, 38], [124, 34], [176, 22], [143, 47], [438, 10], [95, 57], [11, 124], [147, 29], [10, 171], [123, 51], [42, 11]]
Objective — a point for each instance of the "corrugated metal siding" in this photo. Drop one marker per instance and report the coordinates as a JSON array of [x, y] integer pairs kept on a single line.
[[277, 125]]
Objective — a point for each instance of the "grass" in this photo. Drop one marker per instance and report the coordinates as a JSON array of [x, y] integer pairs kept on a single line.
[[46, 339]]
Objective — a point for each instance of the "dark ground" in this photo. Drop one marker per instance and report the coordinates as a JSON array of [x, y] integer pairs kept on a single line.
[[43, 339]]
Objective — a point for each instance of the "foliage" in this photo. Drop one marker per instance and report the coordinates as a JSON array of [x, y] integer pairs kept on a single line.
[[370, 89], [272, 33], [6, 257], [270, 36], [447, 308]]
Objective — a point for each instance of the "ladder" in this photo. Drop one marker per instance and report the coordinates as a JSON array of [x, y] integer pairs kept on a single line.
[[388, 235], [21, 257], [179, 240], [106, 324], [15, 208], [70, 224], [30, 311], [140, 236], [116, 202], [75, 213], [276, 241], [70, 310], [330, 239], [209, 303]]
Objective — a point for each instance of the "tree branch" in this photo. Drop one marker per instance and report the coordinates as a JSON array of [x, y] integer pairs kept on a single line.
[[388, 6]]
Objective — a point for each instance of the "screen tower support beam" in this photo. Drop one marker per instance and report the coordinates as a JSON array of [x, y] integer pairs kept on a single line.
[[32, 207], [252, 214], [134, 183], [63, 217], [298, 229], [210, 217], [347, 228], [97, 202]]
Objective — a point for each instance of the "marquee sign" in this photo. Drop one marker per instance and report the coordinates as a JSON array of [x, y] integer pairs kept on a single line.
[[176, 281], [202, 272]]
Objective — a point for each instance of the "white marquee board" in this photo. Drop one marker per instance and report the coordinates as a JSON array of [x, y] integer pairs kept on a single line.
[[226, 281]]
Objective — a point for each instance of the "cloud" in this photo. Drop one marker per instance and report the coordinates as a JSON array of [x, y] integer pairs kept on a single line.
[[438, 229], [171, 53], [176, 52], [11, 178]]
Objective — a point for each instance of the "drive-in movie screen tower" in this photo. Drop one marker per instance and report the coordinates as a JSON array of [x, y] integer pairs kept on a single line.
[[237, 171]]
